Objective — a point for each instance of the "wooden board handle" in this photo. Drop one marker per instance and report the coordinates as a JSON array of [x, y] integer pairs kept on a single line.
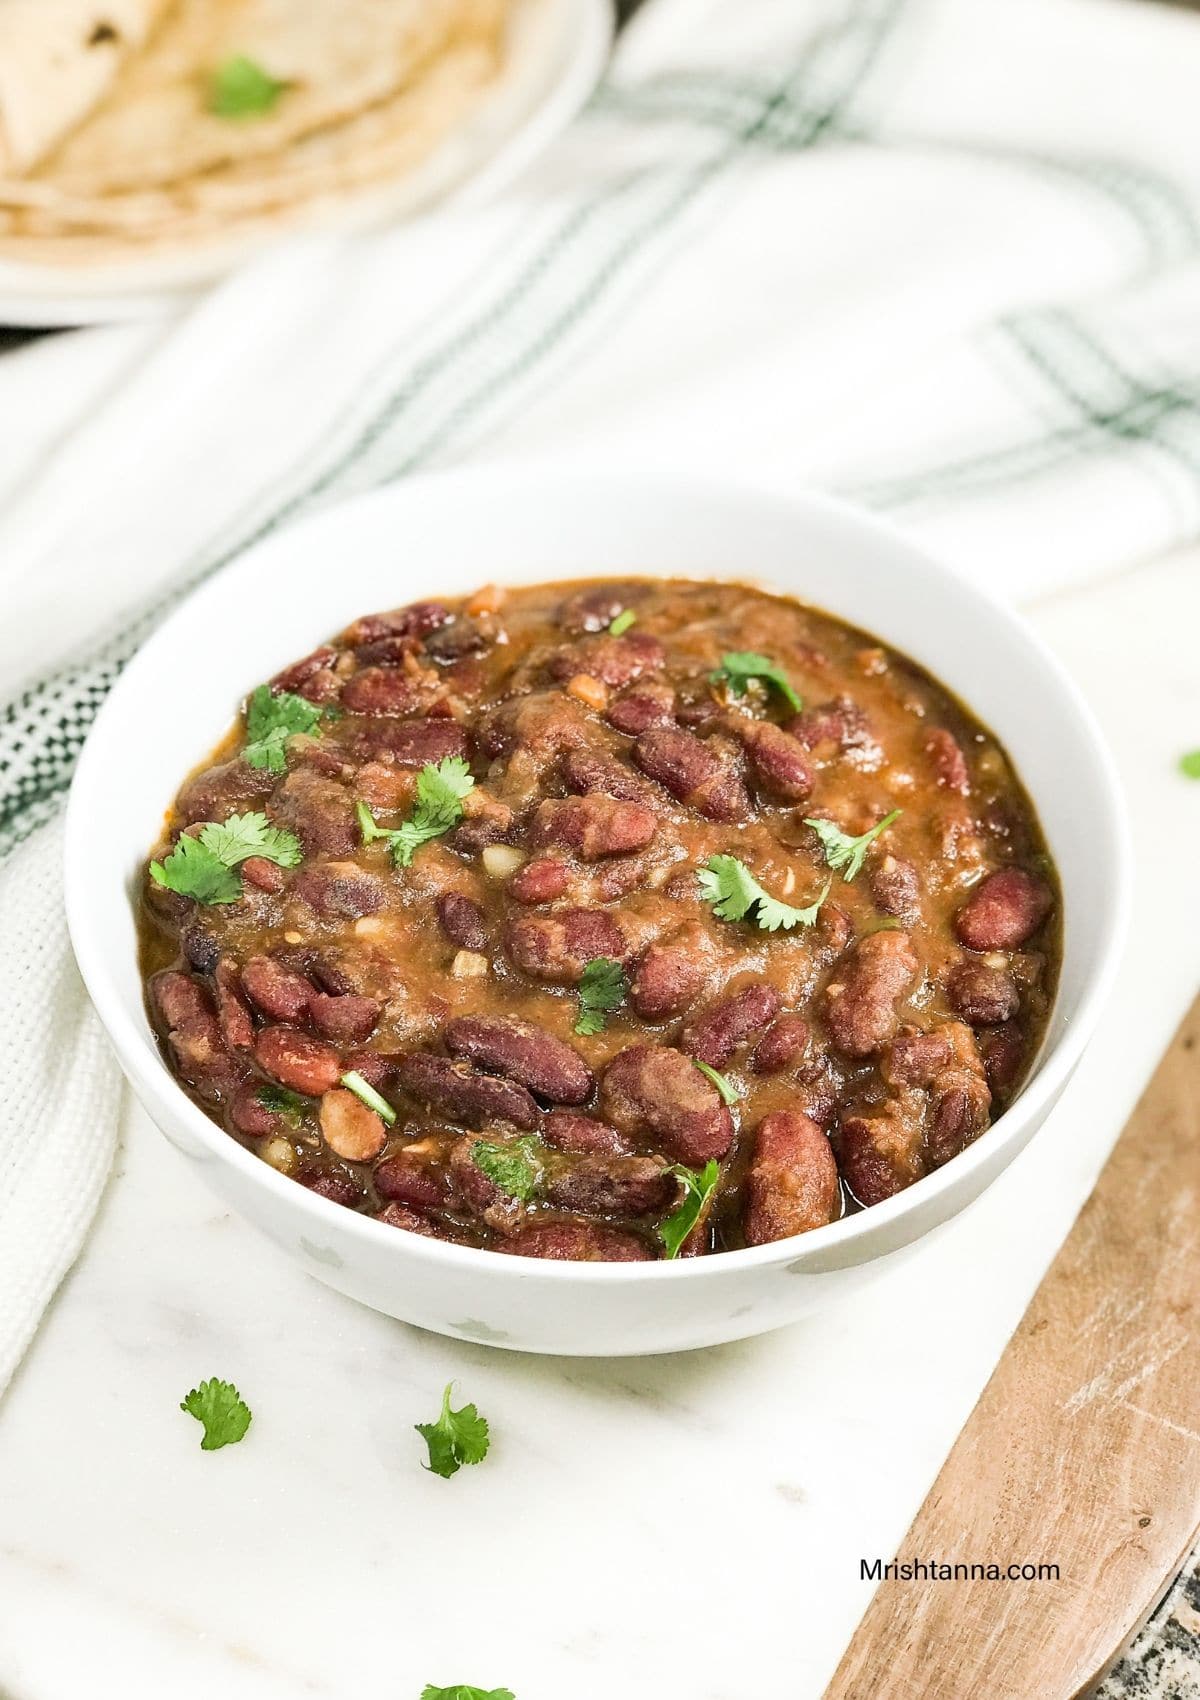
[[1084, 1448]]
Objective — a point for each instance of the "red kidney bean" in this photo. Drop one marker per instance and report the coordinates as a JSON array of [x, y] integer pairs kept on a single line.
[[199, 946], [831, 727], [296, 1061], [781, 1046], [792, 1183], [948, 761], [251, 1116], [916, 1059], [228, 789], [1003, 1050], [279, 992], [202, 1059], [672, 974], [319, 810], [695, 772], [383, 690], [311, 676], [717, 1032], [586, 772], [462, 920], [896, 888], [347, 1019], [576, 1242], [455, 1090], [593, 826], [233, 1012], [614, 661], [539, 881], [559, 947], [880, 1154], [263, 875], [642, 706], [649, 1089], [860, 1002], [525, 1053], [478, 1192], [376, 1067], [544, 722], [417, 620], [179, 998], [401, 1216], [593, 610], [982, 995], [780, 763], [1003, 910], [458, 640], [334, 1184], [611, 1186], [350, 1127], [960, 1113], [408, 743], [567, 1130], [340, 890], [415, 1177]]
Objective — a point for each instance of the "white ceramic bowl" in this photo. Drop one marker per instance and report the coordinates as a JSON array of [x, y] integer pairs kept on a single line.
[[446, 534]]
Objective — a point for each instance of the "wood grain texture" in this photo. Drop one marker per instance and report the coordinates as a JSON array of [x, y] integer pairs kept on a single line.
[[1084, 1449]]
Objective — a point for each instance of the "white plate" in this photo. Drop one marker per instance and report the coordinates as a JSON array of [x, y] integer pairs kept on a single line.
[[557, 51]]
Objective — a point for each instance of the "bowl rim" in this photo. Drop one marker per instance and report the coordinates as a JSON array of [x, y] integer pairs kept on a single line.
[[158, 1090]]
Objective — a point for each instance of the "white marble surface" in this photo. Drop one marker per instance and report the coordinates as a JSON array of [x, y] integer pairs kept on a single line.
[[695, 1520]]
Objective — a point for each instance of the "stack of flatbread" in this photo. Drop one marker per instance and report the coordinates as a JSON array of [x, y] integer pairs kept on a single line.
[[137, 125]]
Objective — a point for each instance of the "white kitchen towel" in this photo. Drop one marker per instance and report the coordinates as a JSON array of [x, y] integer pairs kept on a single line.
[[943, 255]]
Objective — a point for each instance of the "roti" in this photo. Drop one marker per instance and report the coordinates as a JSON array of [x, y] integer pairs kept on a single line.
[[57, 60], [335, 58]]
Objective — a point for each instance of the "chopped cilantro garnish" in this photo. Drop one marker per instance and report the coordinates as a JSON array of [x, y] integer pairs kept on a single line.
[[441, 788], [456, 1438], [222, 1410], [842, 851], [271, 719], [1189, 765], [622, 623], [601, 990], [284, 1103], [464, 1691], [730, 1094], [239, 88], [741, 666], [733, 891], [515, 1168], [353, 1081], [204, 867], [698, 1186]]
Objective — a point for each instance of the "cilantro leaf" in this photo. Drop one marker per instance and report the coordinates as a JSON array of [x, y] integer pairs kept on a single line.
[[239, 88], [732, 889], [193, 871], [698, 1186], [740, 666], [464, 1691], [242, 836], [279, 1099], [515, 1168], [203, 867], [353, 1081], [456, 1438], [621, 624], [601, 989], [1189, 765], [222, 1410], [730, 1094], [441, 787], [844, 852], [271, 719]]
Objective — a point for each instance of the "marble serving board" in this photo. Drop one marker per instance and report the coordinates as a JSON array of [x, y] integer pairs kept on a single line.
[[688, 1525]]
